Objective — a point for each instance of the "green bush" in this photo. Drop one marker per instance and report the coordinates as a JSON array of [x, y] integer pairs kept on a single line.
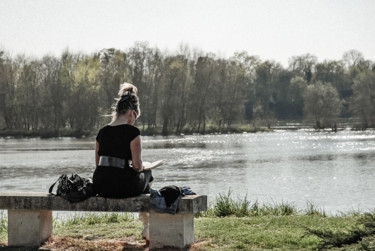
[[225, 205], [314, 210]]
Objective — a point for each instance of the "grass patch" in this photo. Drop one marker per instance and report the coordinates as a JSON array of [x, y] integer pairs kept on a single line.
[[98, 225], [3, 226], [358, 236], [264, 232], [93, 218]]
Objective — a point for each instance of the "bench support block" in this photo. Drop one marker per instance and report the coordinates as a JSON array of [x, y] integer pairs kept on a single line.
[[29, 227], [168, 230]]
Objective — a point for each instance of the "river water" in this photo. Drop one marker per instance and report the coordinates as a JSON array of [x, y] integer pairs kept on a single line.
[[333, 171]]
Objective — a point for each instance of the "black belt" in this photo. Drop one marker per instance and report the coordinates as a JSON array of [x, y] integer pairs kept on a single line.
[[113, 161]]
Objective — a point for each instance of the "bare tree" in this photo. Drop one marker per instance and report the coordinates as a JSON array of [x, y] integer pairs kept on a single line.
[[352, 57], [303, 65]]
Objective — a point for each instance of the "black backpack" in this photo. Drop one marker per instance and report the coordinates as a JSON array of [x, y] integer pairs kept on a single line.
[[73, 188], [170, 194]]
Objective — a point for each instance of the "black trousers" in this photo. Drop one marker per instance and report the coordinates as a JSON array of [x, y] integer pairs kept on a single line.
[[114, 182]]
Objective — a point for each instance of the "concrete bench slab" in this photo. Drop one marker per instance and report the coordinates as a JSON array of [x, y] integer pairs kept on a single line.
[[30, 216]]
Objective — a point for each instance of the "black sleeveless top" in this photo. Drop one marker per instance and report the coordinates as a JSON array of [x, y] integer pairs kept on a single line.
[[115, 182], [115, 140]]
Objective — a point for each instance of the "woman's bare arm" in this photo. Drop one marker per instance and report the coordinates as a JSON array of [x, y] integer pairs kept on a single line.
[[96, 153], [136, 149]]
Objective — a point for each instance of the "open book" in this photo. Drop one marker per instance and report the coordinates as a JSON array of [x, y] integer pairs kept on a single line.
[[151, 165]]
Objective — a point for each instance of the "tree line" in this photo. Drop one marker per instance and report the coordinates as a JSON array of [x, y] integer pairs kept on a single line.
[[185, 92]]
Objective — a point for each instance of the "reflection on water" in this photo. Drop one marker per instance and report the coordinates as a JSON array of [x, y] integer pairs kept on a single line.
[[334, 171]]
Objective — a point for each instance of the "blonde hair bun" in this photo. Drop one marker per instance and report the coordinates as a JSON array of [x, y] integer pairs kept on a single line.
[[127, 87]]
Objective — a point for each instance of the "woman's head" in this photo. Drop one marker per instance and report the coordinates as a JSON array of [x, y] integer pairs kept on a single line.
[[127, 101]]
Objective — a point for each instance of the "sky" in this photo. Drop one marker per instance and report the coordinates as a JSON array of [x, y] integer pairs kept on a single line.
[[270, 29]]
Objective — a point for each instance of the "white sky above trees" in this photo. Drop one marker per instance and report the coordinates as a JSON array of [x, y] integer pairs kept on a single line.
[[271, 29]]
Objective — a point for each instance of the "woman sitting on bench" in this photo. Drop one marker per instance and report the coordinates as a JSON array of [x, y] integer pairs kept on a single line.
[[119, 170]]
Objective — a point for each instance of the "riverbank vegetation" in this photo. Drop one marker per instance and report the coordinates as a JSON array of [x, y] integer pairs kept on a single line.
[[211, 129], [228, 224], [188, 91]]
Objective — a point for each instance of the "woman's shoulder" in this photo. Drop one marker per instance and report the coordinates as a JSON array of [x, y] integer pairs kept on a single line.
[[134, 129], [125, 130], [121, 127]]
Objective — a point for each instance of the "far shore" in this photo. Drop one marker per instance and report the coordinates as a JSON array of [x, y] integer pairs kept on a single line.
[[247, 128]]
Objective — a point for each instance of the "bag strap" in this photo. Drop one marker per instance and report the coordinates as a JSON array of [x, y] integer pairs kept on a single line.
[[51, 187]]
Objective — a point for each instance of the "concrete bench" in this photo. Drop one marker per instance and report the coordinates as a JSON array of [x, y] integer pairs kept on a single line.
[[30, 217]]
